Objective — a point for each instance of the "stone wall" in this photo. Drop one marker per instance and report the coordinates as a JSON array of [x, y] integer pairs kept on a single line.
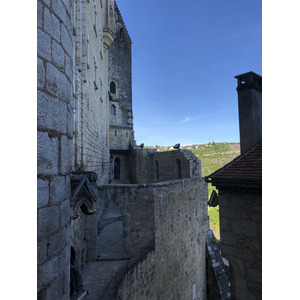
[[139, 282], [240, 226], [119, 71], [91, 108], [124, 167], [181, 225], [136, 203], [54, 146], [151, 166], [179, 261], [218, 284]]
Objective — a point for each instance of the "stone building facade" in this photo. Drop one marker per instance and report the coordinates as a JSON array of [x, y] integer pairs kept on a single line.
[[239, 185], [99, 196]]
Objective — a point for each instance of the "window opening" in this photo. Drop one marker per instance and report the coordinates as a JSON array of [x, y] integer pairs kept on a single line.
[[112, 87], [113, 110]]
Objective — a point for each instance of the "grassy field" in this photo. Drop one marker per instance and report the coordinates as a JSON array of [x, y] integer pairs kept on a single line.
[[213, 156]]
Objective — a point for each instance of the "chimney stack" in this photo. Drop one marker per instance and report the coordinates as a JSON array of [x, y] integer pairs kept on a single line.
[[250, 109]]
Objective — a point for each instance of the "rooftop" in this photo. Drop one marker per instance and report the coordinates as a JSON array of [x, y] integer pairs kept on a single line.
[[246, 169]]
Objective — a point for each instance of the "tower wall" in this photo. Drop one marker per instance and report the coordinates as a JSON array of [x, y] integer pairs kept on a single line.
[[54, 146], [119, 71]]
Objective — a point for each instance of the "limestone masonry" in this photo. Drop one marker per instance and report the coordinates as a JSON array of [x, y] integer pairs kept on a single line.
[[113, 220]]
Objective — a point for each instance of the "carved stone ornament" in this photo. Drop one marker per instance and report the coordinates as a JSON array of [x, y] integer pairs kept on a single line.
[[84, 192]]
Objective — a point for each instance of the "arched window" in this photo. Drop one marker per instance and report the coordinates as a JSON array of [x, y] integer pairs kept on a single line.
[[117, 167], [113, 110], [112, 87], [178, 167]]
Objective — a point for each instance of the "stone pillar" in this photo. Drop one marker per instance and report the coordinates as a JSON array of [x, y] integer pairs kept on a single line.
[[54, 146]]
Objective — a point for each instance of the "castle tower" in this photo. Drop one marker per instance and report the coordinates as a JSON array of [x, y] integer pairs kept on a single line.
[[250, 109], [120, 101]]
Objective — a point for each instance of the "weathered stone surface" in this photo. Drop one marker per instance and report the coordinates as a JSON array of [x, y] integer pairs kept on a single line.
[[65, 212], [40, 73], [69, 67], [47, 2], [57, 242], [39, 14], [66, 278], [42, 251], [57, 84], [48, 272], [68, 5], [42, 193], [51, 25], [66, 147], [59, 10], [64, 258], [56, 289], [57, 189], [48, 220], [58, 55], [44, 45], [47, 154], [51, 112], [66, 40]]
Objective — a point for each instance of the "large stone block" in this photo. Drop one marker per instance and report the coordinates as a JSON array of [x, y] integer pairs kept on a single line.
[[57, 242], [40, 73], [47, 2], [59, 10], [41, 251], [56, 289], [42, 193], [64, 258], [65, 213], [48, 220], [66, 278], [66, 154], [58, 84], [68, 5], [51, 113], [69, 67], [47, 154], [51, 25], [43, 45], [57, 190], [39, 14], [47, 272], [58, 55], [66, 40]]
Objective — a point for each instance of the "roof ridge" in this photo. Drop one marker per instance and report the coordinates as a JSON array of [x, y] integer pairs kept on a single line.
[[235, 160]]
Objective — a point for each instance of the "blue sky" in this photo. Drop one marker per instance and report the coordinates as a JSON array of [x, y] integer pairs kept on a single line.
[[185, 55]]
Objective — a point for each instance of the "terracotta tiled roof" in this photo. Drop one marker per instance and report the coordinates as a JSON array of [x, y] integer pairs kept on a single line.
[[246, 167]]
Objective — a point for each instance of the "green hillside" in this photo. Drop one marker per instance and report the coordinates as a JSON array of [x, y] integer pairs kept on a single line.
[[213, 156]]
